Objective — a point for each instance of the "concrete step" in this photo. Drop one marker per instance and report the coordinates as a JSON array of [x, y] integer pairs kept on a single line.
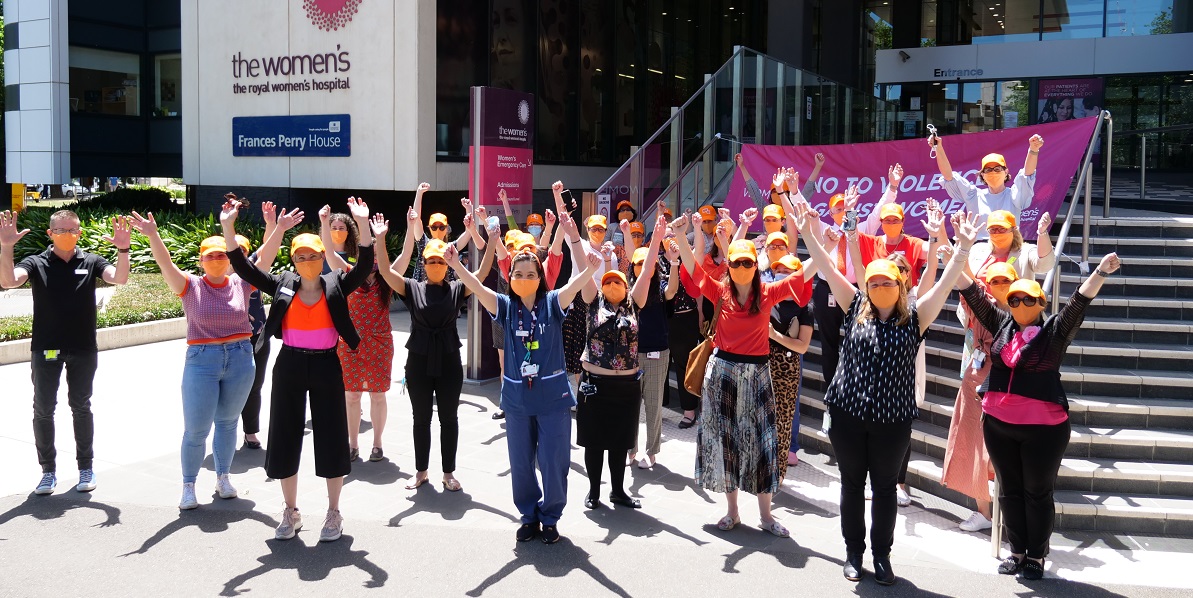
[[1149, 246], [1131, 356], [1131, 286], [1149, 267], [1094, 328], [1180, 227]]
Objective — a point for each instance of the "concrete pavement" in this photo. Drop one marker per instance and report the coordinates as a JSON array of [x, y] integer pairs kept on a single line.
[[128, 538]]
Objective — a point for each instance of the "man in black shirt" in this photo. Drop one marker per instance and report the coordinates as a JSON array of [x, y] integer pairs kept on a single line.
[[63, 280]]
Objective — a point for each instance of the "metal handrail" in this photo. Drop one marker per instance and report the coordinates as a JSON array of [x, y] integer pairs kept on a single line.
[[1142, 157], [1052, 280]]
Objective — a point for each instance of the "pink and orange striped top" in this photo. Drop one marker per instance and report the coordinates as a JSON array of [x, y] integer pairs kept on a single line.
[[309, 326]]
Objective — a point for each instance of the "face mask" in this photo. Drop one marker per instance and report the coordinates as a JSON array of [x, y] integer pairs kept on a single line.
[[439, 234], [772, 227], [1002, 240], [774, 254], [742, 276], [781, 276], [535, 230], [637, 270], [436, 272], [1027, 316], [892, 230], [524, 287], [596, 238], [311, 269], [339, 236], [884, 297], [65, 242], [999, 292], [994, 179], [215, 268], [708, 227], [614, 293]]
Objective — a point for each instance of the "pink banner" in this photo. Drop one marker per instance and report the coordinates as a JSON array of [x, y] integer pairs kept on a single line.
[[505, 158], [866, 164]]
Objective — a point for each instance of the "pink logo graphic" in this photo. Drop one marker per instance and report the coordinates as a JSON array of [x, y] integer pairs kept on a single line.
[[330, 15]]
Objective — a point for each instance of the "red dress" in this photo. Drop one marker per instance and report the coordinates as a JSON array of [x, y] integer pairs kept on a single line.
[[369, 367]]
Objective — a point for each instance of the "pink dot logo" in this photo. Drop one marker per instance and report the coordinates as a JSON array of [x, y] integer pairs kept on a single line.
[[330, 15]]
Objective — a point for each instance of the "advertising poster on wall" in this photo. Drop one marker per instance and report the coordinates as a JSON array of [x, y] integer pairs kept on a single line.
[[502, 154], [1065, 99]]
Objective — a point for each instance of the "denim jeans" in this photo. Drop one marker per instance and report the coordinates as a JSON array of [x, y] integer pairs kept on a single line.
[[215, 385], [47, 375]]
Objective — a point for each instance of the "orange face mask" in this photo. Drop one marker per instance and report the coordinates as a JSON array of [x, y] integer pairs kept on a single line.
[[1027, 316], [1002, 240], [309, 270], [772, 226], [774, 254], [614, 293], [215, 268], [892, 230], [436, 272], [439, 234], [65, 242], [743, 276], [524, 287], [638, 269], [884, 297], [596, 237], [339, 236]]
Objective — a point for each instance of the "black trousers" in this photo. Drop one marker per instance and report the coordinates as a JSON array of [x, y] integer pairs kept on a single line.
[[877, 449], [1026, 459], [80, 378], [297, 375], [594, 462], [828, 326], [250, 416], [683, 336], [428, 394]]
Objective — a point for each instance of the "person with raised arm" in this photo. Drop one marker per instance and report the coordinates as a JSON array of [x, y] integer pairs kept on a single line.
[[790, 335], [871, 400], [63, 281], [218, 371], [780, 185], [998, 193], [434, 370], [534, 389], [1026, 411], [310, 314], [438, 228], [737, 441], [339, 234]]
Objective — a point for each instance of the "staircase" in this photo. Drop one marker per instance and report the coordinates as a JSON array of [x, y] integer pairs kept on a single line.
[[1129, 379]]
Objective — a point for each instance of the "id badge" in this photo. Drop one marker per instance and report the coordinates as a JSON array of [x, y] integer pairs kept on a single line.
[[51, 354], [286, 291], [530, 370], [832, 301], [979, 358], [522, 333], [652, 355], [81, 271]]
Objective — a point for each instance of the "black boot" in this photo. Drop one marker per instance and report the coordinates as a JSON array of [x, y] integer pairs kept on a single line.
[[883, 573], [853, 566]]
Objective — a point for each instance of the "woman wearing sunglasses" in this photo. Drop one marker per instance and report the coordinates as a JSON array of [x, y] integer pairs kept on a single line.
[[871, 400], [998, 193], [737, 441], [438, 229], [1026, 419]]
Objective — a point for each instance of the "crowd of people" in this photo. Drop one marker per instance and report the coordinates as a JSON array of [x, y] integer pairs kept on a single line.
[[602, 341]]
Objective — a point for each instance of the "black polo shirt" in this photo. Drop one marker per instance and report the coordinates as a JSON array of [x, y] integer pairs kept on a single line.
[[64, 299]]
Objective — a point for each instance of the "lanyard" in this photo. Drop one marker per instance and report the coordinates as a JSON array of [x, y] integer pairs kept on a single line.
[[527, 337]]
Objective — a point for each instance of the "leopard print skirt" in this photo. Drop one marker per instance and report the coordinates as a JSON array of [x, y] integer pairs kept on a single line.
[[785, 378]]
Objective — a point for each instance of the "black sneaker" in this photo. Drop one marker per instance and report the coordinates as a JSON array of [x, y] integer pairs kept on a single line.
[[550, 534], [883, 573], [499, 414], [1011, 565], [1032, 570], [528, 531]]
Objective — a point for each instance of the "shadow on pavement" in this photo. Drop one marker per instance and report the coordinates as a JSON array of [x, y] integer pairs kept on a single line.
[[312, 563], [45, 508], [556, 560], [210, 520], [620, 521], [752, 540], [479, 408], [377, 473], [659, 474], [244, 460], [450, 505], [1052, 587], [800, 504]]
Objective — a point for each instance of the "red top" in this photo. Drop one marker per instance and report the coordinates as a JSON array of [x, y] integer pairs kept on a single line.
[[875, 248], [739, 331], [550, 267]]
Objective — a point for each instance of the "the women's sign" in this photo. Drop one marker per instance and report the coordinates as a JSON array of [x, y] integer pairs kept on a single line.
[[866, 164], [502, 152]]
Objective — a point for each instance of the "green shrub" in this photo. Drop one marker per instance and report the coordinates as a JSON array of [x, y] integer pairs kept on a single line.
[[145, 298]]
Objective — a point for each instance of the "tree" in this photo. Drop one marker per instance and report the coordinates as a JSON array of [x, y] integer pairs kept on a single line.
[[1162, 24]]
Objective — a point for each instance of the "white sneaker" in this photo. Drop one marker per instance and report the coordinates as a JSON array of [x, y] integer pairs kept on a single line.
[[333, 527], [291, 523], [976, 523], [47, 484], [223, 486], [902, 497], [188, 501], [86, 480]]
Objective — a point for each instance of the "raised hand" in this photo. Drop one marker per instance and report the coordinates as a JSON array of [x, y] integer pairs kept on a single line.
[[747, 217], [379, 225], [607, 250], [680, 225], [8, 229], [819, 159], [502, 196], [568, 224], [968, 231], [851, 197], [723, 234], [672, 252], [931, 205], [122, 232], [956, 219], [145, 226], [737, 159], [791, 177], [549, 217], [229, 212], [1110, 263], [412, 218], [779, 178], [933, 223], [624, 225], [359, 209], [722, 214], [805, 219], [481, 213], [325, 215], [269, 213], [423, 188], [451, 256], [592, 260], [557, 187], [660, 227], [469, 222], [467, 205], [697, 222], [291, 219], [1035, 142], [1044, 225], [894, 174]]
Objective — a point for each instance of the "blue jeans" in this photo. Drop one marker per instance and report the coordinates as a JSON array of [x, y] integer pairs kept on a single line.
[[215, 385]]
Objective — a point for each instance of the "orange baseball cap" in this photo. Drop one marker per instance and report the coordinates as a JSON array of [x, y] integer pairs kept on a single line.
[[534, 219], [624, 205], [244, 242], [596, 220], [511, 236], [434, 248], [438, 218], [836, 199], [789, 261], [773, 210], [1002, 269], [708, 213], [1001, 218], [891, 209], [639, 255], [742, 248], [778, 236], [1026, 285], [525, 241], [994, 159], [884, 268], [308, 241], [667, 213], [613, 274], [211, 245], [637, 227]]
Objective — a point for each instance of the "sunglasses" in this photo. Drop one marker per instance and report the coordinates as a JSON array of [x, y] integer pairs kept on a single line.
[[998, 230], [1000, 282], [742, 264], [771, 219], [638, 235], [1028, 301], [776, 248], [994, 169], [903, 269], [438, 227], [596, 229]]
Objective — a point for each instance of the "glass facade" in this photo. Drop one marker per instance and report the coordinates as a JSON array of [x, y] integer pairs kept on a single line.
[[104, 82]]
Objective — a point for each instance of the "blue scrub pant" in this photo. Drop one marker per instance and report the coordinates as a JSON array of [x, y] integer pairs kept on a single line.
[[546, 439]]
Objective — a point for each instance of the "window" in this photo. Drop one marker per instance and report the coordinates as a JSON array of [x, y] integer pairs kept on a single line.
[[1073, 19], [104, 82], [1001, 21], [1145, 17], [167, 98]]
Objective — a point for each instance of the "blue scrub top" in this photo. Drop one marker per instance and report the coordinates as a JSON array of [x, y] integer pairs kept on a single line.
[[549, 391]]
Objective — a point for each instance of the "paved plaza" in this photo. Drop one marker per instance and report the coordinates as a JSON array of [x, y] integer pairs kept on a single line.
[[129, 539]]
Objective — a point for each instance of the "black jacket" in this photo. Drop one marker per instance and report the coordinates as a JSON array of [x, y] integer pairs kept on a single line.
[[336, 287], [1037, 374]]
